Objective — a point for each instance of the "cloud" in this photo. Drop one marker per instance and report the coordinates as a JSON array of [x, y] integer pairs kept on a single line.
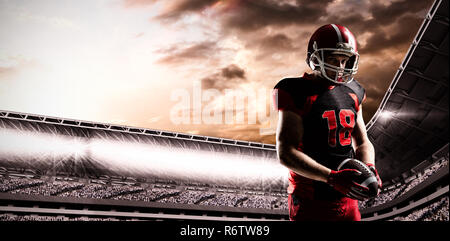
[[389, 25], [137, 3], [183, 54], [173, 10], [376, 76], [393, 37], [12, 65], [245, 15], [276, 43], [277, 24], [274, 50], [386, 14], [233, 71], [226, 78], [270, 38]]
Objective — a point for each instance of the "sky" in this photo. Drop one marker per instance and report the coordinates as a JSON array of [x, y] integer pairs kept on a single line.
[[203, 67]]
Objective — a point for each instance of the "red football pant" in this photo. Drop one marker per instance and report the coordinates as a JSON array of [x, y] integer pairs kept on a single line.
[[345, 209]]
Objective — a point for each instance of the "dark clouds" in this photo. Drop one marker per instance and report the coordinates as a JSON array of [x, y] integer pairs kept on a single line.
[[385, 14], [397, 37], [246, 15], [376, 76], [278, 44], [233, 71], [226, 78], [179, 54], [268, 28], [176, 9], [274, 43], [390, 26]]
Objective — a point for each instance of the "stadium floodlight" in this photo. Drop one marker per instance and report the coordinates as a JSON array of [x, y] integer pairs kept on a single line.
[[386, 114], [183, 163], [136, 158], [36, 148]]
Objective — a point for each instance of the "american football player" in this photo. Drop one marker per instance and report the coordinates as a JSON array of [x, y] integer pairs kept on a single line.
[[320, 124]]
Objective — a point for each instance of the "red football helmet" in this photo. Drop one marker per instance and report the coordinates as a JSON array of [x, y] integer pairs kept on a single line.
[[333, 39]]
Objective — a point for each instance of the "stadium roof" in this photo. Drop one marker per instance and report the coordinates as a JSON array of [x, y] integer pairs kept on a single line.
[[131, 130], [412, 121]]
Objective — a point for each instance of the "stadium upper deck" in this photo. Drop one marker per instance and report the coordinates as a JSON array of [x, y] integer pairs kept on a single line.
[[412, 120]]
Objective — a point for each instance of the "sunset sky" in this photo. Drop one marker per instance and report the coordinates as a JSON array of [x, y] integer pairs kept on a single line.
[[137, 62]]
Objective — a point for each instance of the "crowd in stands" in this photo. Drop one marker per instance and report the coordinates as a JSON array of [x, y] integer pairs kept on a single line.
[[259, 202], [8, 185], [188, 197], [391, 194], [95, 189], [177, 193], [31, 217], [436, 211], [101, 191], [148, 195], [47, 189], [225, 199]]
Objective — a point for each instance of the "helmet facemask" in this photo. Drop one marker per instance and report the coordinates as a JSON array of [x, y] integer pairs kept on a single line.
[[342, 75]]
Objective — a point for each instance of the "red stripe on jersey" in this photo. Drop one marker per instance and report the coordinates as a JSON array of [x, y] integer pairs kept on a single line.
[[300, 146], [355, 98], [308, 104]]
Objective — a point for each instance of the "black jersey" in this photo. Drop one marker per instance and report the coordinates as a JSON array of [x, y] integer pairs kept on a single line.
[[329, 116]]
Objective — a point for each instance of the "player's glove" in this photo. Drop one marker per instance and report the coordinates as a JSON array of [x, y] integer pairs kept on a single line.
[[374, 170], [344, 182]]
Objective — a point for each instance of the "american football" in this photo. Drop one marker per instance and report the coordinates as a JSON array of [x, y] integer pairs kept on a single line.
[[367, 177]]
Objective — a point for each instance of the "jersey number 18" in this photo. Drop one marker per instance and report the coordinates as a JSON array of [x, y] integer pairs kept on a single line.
[[347, 122]]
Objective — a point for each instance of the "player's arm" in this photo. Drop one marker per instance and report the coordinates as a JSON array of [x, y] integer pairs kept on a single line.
[[364, 149], [288, 136]]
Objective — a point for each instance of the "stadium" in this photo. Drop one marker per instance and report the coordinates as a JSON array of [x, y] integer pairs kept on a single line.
[[58, 169]]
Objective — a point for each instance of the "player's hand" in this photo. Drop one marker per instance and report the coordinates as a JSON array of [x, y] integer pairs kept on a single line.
[[374, 170], [344, 182]]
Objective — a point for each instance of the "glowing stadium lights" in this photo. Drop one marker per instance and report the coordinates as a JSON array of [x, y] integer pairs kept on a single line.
[[133, 155], [188, 164], [386, 114], [17, 144]]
